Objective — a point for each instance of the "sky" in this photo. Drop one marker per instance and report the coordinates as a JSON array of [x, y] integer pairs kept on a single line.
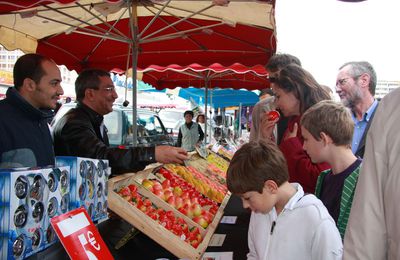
[[325, 34]]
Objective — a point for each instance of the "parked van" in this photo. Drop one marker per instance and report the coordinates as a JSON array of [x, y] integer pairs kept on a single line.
[[150, 129]]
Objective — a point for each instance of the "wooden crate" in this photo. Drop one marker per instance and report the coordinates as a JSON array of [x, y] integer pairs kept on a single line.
[[150, 227]]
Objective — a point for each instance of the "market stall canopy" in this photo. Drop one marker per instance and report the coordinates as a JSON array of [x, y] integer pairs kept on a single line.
[[236, 76], [97, 33], [137, 33], [220, 98]]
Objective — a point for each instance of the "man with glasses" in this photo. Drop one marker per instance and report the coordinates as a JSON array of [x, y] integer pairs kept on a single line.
[[25, 139], [81, 132], [355, 85]]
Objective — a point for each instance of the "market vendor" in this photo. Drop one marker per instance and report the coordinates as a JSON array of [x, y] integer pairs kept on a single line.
[[190, 133], [25, 139], [81, 132]]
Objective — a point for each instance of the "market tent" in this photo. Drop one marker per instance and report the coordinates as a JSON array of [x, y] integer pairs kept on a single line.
[[235, 76], [132, 33], [216, 75], [94, 33], [220, 98]]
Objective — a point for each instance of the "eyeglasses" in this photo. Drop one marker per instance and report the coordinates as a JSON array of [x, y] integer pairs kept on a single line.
[[341, 82], [107, 89]]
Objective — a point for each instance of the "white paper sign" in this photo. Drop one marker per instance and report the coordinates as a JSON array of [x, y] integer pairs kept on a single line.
[[217, 240], [217, 256], [228, 219], [215, 148]]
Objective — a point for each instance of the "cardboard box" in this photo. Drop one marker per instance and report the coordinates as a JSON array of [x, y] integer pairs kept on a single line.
[[29, 198], [88, 184]]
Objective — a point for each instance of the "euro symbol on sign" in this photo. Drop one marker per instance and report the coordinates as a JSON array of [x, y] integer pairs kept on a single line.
[[92, 240]]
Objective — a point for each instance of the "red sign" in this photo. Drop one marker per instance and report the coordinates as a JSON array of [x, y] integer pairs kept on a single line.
[[79, 236]]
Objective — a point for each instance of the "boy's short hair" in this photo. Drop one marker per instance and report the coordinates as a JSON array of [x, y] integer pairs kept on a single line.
[[332, 118], [255, 163]]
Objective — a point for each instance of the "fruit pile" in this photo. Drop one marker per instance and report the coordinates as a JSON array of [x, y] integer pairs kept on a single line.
[[167, 219], [216, 171], [182, 196], [225, 153], [218, 162], [211, 189]]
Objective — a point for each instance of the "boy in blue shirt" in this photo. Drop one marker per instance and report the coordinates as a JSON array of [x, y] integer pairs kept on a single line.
[[327, 129]]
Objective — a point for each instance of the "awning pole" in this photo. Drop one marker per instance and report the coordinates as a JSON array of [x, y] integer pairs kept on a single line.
[[135, 42]]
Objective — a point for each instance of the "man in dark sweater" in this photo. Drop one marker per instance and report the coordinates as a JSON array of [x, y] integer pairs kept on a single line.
[[25, 139]]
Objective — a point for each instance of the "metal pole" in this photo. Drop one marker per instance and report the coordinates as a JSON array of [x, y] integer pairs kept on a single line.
[[135, 42], [240, 121], [205, 108], [211, 106]]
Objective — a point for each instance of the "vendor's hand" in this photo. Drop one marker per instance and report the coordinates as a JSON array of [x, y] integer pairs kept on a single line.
[[293, 133], [170, 154]]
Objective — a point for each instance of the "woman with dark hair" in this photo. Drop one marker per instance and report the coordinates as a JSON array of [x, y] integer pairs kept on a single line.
[[295, 91]]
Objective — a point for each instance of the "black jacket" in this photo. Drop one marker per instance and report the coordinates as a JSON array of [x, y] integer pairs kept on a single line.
[[361, 147], [77, 133], [25, 138]]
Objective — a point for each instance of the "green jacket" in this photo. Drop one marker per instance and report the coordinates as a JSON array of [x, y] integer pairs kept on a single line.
[[346, 200]]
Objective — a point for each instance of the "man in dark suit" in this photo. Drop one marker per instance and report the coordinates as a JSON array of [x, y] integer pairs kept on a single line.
[[355, 85]]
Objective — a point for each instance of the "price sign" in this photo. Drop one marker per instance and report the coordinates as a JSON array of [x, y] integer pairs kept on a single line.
[[79, 236], [215, 147]]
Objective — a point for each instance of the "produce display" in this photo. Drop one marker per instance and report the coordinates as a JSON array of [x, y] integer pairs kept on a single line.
[[178, 207], [166, 218], [182, 196], [213, 190], [219, 163], [224, 153], [208, 169]]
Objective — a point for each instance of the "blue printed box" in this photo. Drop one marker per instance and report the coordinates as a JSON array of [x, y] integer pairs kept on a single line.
[[29, 199], [88, 184]]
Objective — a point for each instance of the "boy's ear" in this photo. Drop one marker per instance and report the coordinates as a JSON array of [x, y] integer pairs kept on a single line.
[[326, 139], [271, 186]]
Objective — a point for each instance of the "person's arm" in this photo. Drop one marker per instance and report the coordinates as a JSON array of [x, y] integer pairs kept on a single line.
[[179, 141], [78, 138], [374, 213], [327, 243], [201, 133], [301, 168]]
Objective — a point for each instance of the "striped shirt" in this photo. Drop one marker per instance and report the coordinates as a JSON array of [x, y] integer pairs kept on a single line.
[[337, 192]]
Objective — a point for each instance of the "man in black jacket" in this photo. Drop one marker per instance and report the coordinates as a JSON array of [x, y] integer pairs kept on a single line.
[[25, 139], [81, 133]]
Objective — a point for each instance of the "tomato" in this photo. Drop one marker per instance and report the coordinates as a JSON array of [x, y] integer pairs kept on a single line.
[[273, 115], [194, 243], [125, 192], [177, 229], [147, 202], [132, 188], [165, 173]]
